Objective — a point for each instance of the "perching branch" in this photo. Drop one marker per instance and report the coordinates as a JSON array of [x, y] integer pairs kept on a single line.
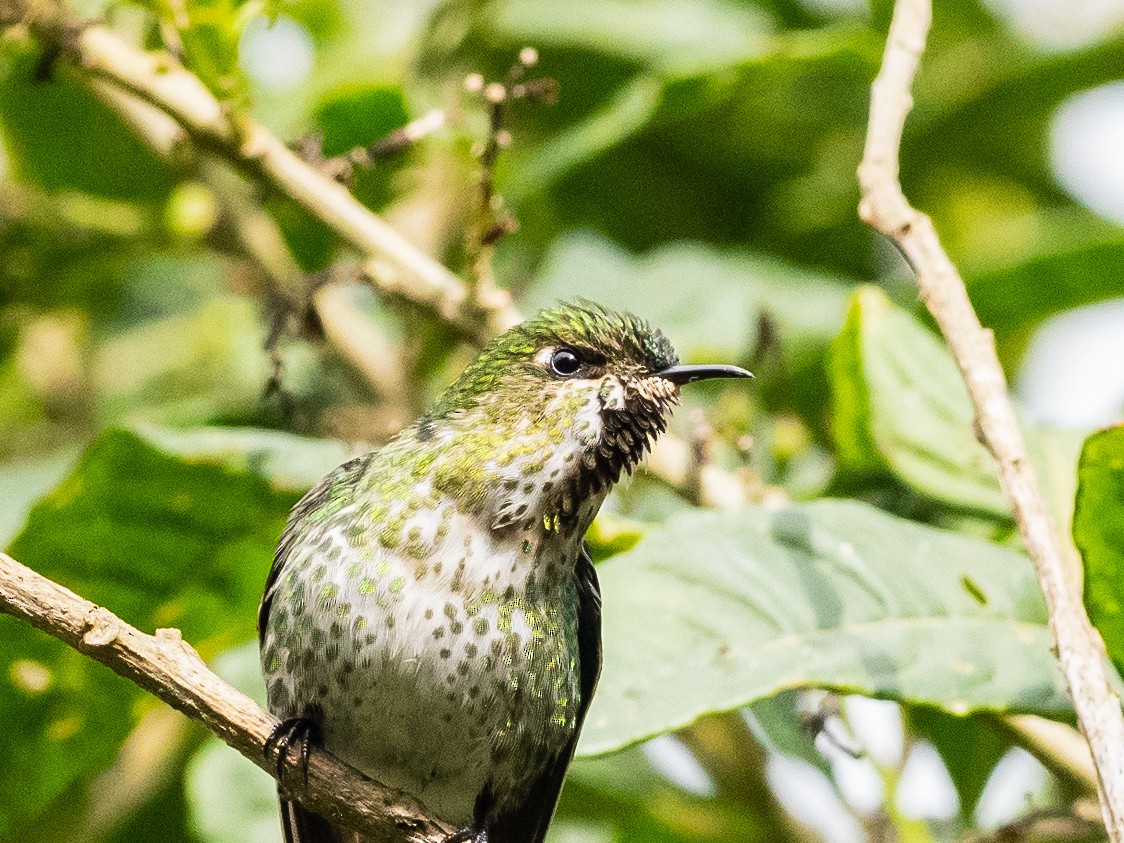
[[885, 207], [167, 666]]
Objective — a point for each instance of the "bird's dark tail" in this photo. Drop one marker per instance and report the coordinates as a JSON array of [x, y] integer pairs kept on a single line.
[[302, 826]]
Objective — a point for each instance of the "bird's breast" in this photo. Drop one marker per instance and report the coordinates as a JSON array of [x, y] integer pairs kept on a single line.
[[436, 672]]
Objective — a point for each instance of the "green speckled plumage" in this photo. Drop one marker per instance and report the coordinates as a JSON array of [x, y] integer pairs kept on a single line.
[[431, 606]]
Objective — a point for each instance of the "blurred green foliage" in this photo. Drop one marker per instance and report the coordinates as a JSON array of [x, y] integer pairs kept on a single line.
[[1098, 528], [698, 168]]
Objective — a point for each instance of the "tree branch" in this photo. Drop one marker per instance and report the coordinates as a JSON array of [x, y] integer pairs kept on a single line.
[[394, 266], [885, 207], [167, 666], [258, 238]]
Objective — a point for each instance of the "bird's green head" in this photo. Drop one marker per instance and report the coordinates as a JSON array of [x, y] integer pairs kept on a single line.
[[577, 377]]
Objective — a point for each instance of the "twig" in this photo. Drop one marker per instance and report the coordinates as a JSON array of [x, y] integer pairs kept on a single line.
[[885, 207], [1059, 747], [1077, 821], [491, 224], [342, 167], [168, 667], [256, 236]]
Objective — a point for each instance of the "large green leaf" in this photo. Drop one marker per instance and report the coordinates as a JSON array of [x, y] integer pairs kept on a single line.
[[164, 530], [901, 406], [901, 403], [1098, 530], [713, 611]]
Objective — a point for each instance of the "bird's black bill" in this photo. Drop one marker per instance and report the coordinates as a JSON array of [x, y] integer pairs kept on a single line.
[[689, 374]]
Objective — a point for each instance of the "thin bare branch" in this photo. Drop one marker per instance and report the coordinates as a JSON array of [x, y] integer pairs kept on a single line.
[[394, 266], [167, 666], [885, 207], [491, 221]]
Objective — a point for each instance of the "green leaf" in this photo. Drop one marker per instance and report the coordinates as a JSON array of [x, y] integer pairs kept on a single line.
[[1098, 530], [716, 610], [778, 726], [159, 538], [350, 116], [785, 184], [359, 116], [969, 746], [203, 366], [63, 138], [1083, 260], [626, 113], [900, 403], [287, 462], [210, 31], [901, 406]]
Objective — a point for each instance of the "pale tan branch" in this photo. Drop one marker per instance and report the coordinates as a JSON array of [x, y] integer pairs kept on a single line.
[[258, 238], [393, 265], [885, 207], [1060, 747], [169, 668]]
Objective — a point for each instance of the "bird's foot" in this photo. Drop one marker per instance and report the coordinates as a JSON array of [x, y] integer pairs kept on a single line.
[[295, 733], [468, 835]]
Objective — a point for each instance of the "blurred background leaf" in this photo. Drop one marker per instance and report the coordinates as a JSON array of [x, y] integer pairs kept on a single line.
[[1098, 529], [816, 595]]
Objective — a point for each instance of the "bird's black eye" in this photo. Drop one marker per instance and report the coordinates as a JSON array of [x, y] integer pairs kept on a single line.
[[564, 362]]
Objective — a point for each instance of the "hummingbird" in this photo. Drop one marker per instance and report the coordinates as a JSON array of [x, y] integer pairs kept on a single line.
[[432, 615]]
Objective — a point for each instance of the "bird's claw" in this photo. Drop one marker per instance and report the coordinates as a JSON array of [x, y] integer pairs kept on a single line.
[[291, 733]]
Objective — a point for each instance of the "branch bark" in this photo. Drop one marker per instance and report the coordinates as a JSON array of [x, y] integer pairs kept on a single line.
[[885, 207], [167, 666]]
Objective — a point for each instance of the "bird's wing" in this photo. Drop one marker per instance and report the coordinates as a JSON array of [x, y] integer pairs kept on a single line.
[[528, 822], [298, 824], [336, 485]]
